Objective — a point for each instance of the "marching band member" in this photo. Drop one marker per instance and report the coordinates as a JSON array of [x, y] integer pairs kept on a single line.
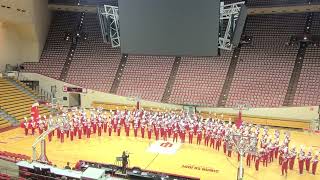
[[50, 136], [114, 123], [94, 124], [75, 126], [301, 159], [149, 129], [308, 160], [285, 160], [199, 136], [265, 157], [229, 147], [118, 129], [281, 151], [157, 131], [67, 127], [110, 128], [169, 128], [40, 125], [45, 122], [182, 135], [314, 164], [213, 137], [100, 126], [143, 125], [165, 134], [127, 127], [276, 147], [61, 134], [135, 128], [105, 123], [26, 126], [50, 123], [191, 135], [248, 159], [88, 131], [80, 130], [292, 157], [33, 125], [85, 126], [175, 134], [218, 139], [71, 131], [257, 162], [207, 137]]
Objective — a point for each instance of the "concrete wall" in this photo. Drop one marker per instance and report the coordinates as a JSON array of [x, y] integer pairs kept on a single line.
[[45, 83], [17, 44], [23, 35], [307, 113], [92, 96], [88, 98], [9, 51], [41, 19]]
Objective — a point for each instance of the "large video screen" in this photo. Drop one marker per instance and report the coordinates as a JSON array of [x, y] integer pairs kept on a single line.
[[169, 27]]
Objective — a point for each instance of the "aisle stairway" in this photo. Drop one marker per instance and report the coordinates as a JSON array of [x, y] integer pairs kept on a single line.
[[4, 123], [15, 104]]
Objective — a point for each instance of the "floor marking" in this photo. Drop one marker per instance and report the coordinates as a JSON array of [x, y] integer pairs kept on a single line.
[[152, 161]]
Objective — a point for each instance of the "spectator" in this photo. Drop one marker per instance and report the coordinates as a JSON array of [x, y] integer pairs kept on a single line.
[[67, 166]]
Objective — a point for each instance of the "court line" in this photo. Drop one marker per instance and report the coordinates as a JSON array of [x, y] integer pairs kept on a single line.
[[152, 161]]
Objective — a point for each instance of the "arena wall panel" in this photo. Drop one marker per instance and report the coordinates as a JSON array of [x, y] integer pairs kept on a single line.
[[91, 95], [307, 113]]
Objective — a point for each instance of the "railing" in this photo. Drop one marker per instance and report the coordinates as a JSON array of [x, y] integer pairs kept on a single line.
[[40, 92], [9, 117], [13, 157], [10, 171]]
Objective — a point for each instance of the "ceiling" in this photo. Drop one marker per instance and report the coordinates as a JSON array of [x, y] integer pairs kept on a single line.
[[251, 10]]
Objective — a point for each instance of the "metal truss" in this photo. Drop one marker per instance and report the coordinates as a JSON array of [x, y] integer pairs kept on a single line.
[[109, 23], [228, 15]]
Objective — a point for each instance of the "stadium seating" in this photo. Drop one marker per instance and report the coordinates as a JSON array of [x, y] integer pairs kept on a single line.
[[95, 63], [308, 90], [4, 123], [263, 72], [274, 2], [56, 49], [4, 177], [13, 157], [86, 2], [249, 2], [200, 80], [15, 102], [145, 77], [261, 76], [316, 23]]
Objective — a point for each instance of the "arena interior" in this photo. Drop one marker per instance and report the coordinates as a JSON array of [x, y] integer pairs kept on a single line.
[[77, 101]]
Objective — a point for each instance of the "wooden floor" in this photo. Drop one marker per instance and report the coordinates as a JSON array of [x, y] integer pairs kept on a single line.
[[105, 149]]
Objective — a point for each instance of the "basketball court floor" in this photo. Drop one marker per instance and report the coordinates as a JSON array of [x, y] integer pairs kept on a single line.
[[183, 159]]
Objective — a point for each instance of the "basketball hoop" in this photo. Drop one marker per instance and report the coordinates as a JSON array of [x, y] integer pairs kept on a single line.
[[241, 143]]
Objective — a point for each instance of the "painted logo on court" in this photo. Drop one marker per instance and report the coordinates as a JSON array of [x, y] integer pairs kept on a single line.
[[164, 147]]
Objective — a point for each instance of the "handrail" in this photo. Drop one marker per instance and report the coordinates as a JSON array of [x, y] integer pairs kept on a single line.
[[42, 93]]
